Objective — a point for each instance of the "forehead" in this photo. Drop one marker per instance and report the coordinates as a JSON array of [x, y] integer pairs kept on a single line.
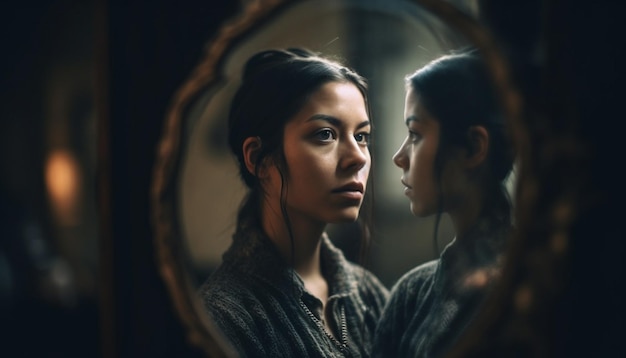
[[342, 100], [414, 109]]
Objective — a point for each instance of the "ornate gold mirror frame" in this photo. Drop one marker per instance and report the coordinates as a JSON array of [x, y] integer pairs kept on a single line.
[[171, 253]]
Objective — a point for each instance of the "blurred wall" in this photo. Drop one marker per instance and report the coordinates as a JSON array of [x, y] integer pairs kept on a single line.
[[48, 230]]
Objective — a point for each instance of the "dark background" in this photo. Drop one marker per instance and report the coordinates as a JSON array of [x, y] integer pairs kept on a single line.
[[135, 55]]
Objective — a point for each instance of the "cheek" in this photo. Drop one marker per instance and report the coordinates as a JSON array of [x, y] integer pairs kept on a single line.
[[421, 167], [309, 169], [415, 163], [365, 171]]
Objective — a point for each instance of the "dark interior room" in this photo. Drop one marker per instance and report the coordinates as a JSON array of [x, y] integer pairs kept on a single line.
[[107, 226]]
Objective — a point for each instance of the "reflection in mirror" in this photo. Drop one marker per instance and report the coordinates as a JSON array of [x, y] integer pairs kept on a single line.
[[455, 160], [384, 42]]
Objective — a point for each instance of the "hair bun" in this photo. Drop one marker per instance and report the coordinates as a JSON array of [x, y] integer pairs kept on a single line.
[[270, 58]]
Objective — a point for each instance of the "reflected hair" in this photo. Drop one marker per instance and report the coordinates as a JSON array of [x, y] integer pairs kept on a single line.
[[457, 91], [275, 85]]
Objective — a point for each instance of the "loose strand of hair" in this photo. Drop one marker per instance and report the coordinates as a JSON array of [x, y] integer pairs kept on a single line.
[[437, 221], [283, 209], [438, 177], [366, 222]]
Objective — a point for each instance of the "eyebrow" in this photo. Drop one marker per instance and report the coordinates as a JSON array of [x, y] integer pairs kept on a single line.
[[412, 118], [334, 121]]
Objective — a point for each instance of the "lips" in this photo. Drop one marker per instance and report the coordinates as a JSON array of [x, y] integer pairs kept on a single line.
[[405, 184], [351, 187]]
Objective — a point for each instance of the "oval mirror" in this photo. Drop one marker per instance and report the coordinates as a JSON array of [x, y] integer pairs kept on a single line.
[[196, 187]]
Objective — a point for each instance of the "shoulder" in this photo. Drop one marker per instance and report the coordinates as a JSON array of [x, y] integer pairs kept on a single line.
[[401, 307], [231, 295], [418, 275], [367, 282], [224, 292], [236, 310], [414, 281], [410, 290]]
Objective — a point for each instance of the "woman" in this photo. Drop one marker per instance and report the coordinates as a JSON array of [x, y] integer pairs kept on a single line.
[[454, 160], [299, 126]]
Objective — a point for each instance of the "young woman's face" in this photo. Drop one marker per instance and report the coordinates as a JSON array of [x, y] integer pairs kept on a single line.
[[416, 157], [327, 156]]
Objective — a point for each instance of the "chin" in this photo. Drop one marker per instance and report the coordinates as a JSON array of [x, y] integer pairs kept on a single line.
[[422, 212], [346, 216], [417, 211]]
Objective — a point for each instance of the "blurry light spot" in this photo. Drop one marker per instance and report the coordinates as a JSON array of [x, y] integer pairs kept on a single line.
[[478, 278], [63, 184]]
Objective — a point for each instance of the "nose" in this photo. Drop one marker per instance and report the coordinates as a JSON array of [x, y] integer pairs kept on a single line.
[[400, 158], [355, 156]]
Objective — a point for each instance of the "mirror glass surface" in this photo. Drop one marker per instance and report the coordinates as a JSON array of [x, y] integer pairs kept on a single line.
[[197, 189], [382, 40]]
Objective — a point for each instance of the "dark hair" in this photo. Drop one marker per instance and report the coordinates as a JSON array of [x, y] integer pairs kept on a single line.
[[275, 85], [457, 91]]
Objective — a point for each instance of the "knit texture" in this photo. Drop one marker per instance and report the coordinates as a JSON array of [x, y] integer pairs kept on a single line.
[[431, 305], [262, 308]]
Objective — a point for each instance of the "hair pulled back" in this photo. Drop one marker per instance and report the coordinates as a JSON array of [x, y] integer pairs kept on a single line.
[[275, 84], [457, 91]]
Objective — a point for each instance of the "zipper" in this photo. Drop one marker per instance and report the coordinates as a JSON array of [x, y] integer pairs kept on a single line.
[[343, 345]]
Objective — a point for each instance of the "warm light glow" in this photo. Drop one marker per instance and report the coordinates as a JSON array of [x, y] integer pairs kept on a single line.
[[63, 183]]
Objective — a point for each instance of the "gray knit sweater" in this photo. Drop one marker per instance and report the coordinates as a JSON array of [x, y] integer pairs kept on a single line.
[[431, 305], [261, 306]]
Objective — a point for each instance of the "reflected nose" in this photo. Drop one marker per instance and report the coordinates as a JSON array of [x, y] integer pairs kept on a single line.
[[400, 158], [355, 156]]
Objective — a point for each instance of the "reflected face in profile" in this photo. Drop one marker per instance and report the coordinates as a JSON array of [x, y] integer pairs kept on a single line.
[[327, 156], [416, 157]]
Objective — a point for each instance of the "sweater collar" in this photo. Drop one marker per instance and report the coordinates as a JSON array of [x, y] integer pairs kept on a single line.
[[253, 253]]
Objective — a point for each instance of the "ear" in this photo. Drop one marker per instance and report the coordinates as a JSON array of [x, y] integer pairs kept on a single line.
[[478, 139], [251, 148]]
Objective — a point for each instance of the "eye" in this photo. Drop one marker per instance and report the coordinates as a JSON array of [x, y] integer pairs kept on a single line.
[[363, 138], [325, 135], [414, 137]]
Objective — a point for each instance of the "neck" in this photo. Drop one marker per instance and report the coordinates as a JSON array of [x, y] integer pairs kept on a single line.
[[480, 204], [466, 212], [302, 247]]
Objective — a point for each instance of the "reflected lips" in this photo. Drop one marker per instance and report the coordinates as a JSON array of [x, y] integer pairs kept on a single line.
[[407, 187]]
